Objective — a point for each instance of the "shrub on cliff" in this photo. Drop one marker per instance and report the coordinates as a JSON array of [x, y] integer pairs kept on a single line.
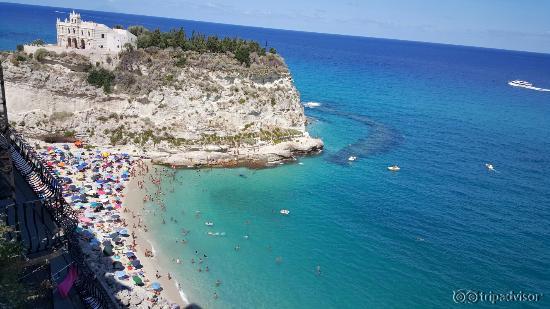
[[101, 78], [40, 54]]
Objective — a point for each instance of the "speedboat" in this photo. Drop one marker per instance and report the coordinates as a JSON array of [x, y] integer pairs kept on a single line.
[[489, 166], [526, 85], [352, 158], [394, 168], [209, 223], [520, 83], [285, 212]]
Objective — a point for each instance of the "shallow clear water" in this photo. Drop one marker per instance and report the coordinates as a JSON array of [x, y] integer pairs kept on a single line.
[[381, 239]]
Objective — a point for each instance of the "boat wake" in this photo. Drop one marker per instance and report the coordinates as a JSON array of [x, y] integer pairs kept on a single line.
[[526, 85]]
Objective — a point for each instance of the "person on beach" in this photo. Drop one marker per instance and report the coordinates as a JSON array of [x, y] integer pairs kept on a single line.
[[218, 282]]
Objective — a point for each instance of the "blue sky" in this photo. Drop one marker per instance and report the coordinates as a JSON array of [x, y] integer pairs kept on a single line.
[[507, 24]]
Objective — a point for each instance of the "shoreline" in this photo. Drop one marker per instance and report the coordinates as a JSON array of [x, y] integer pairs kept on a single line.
[[133, 202]]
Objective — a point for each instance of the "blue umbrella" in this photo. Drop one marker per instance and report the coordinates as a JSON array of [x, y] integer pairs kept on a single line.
[[155, 286], [120, 274]]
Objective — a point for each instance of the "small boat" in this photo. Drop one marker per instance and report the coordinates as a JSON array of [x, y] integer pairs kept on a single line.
[[394, 168], [526, 85], [209, 223], [489, 166], [285, 212], [352, 158]]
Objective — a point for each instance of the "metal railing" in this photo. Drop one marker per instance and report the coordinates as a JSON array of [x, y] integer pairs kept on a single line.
[[39, 166], [92, 292]]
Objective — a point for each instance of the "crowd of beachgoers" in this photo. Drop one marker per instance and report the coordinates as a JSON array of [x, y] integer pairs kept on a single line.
[[93, 185]]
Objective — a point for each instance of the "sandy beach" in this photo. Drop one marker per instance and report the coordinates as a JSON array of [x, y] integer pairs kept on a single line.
[[133, 202], [106, 188]]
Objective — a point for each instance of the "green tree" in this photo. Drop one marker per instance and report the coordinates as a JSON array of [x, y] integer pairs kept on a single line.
[[243, 56], [101, 78], [137, 30], [38, 42]]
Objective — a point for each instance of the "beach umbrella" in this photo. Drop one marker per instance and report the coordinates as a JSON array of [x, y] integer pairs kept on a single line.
[[120, 274], [137, 280], [124, 232], [136, 263], [130, 254], [95, 204], [85, 219], [156, 286], [118, 265], [108, 250]]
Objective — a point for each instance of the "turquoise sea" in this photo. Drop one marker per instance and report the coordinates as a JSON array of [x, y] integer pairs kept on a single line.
[[380, 239]]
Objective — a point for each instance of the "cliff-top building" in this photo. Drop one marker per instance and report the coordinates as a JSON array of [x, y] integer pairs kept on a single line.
[[75, 33]]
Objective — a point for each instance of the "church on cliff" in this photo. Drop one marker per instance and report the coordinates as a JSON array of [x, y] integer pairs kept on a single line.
[[73, 33]]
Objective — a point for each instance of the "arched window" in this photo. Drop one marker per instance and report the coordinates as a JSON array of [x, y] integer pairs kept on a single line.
[[82, 44]]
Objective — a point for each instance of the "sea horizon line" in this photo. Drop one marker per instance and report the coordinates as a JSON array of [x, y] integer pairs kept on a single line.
[[296, 31]]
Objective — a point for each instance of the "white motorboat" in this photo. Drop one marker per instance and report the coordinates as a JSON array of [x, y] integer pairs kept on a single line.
[[394, 168], [352, 158], [209, 223], [526, 85], [285, 212], [489, 166]]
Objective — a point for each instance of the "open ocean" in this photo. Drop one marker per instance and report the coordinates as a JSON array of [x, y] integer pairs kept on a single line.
[[381, 239]]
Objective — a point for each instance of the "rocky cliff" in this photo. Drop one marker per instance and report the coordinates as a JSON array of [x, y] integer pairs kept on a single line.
[[180, 108]]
